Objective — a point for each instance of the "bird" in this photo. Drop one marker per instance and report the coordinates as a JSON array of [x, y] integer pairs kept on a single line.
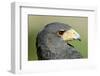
[[52, 42]]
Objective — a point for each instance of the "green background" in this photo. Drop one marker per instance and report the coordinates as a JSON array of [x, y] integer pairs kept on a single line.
[[37, 23]]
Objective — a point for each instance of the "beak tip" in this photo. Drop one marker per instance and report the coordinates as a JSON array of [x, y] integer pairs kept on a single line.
[[79, 39]]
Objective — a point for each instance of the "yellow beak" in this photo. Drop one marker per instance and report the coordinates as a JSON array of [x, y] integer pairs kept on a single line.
[[70, 35]]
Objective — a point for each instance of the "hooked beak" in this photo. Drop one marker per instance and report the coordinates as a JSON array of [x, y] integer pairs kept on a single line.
[[71, 35], [77, 37]]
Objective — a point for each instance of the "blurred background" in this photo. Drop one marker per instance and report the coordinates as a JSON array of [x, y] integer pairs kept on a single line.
[[37, 22]]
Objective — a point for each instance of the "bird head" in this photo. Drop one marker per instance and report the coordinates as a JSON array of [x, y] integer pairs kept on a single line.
[[63, 31], [51, 42]]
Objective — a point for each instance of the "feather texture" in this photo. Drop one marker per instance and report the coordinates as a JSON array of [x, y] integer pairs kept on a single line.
[[50, 46]]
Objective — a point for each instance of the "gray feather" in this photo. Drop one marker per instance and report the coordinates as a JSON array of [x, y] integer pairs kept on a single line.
[[50, 46]]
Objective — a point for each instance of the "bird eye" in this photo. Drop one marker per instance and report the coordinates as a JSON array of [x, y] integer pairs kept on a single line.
[[61, 32]]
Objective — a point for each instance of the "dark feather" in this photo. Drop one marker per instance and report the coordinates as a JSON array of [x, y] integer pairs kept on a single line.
[[50, 46]]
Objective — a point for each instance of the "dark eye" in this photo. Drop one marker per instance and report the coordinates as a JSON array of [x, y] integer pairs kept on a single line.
[[61, 32]]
